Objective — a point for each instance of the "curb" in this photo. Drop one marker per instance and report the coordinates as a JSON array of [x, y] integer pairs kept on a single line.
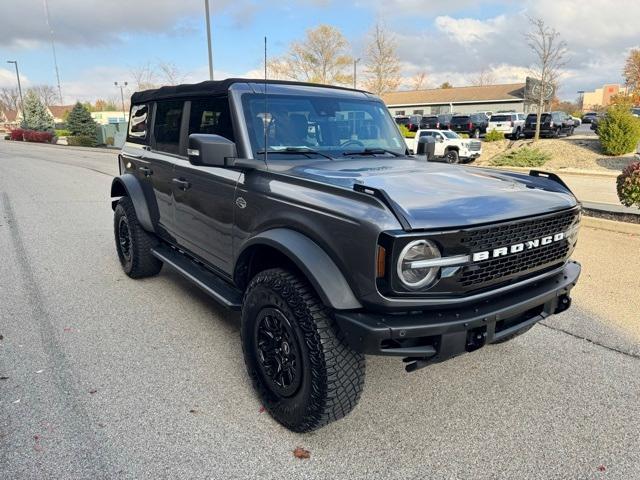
[[109, 150], [611, 225]]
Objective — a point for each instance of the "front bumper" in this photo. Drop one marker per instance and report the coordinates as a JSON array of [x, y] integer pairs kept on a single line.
[[436, 335]]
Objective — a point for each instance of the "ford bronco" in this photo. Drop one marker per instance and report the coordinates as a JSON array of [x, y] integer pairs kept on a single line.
[[299, 205]]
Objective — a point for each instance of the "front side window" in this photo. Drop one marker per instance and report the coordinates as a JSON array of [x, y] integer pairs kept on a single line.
[[331, 126], [138, 121], [211, 116], [166, 128]]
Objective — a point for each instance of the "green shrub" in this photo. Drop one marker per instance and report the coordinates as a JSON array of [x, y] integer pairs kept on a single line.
[[79, 121], [628, 185], [464, 135], [60, 132], [619, 131], [493, 136], [521, 157], [81, 141]]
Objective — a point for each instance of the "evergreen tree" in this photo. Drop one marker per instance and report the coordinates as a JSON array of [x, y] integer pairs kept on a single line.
[[79, 121], [35, 115]]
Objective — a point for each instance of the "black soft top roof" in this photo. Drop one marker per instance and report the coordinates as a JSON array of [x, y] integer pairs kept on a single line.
[[210, 87]]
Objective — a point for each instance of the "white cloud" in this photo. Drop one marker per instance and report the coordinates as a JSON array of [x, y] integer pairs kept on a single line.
[[8, 79], [466, 31]]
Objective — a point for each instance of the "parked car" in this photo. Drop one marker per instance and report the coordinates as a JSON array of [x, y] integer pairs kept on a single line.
[[451, 147], [312, 220], [577, 121], [589, 116], [474, 124], [402, 120], [595, 122], [430, 121], [414, 123], [510, 124], [635, 111], [552, 124]]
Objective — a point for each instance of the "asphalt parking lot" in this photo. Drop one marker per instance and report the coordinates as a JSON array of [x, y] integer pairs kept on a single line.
[[107, 377]]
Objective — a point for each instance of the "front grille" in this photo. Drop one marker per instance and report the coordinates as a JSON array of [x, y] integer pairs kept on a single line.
[[494, 270], [475, 146]]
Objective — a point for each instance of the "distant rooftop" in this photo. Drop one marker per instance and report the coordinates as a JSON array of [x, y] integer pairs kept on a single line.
[[438, 96]]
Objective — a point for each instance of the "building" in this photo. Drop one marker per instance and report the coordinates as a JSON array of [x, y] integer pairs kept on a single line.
[[600, 97], [10, 119], [492, 98], [59, 112], [106, 118]]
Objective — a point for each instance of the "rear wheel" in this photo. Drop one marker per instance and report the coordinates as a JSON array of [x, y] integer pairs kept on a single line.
[[299, 363], [452, 156], [516, 134], [134, 243]]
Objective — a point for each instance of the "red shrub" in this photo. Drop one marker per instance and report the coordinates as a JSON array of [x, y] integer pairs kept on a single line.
[[34, 136], [17, 134]]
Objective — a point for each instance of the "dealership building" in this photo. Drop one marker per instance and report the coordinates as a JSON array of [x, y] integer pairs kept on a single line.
[[492, 98]]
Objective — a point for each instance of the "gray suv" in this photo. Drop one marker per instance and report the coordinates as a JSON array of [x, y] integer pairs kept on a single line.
[[299, 205]]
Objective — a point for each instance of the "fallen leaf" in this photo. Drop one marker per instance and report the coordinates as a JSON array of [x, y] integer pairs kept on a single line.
[[4, 378], [261, 409], [602, 468], [93, 391], [101, 425], [300, 452], [36, 437], [1, 337], [68, 329], [193, 411]]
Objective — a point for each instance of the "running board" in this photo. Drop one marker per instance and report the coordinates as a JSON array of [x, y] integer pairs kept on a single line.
[[224, 293]]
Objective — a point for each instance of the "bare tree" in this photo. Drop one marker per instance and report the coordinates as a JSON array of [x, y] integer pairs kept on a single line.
[[418, 81], [9, 99], [631, 70], [483, 77], [47, 94], [169, 73], [144, 77], [320, 58], [382, 65], [549, 51]]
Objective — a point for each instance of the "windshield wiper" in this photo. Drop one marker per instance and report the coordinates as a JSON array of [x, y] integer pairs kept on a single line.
[[296, 150], [372, 151]]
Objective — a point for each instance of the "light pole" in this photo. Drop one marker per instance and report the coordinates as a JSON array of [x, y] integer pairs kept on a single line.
[[581, 97], [355, 63], [206, 10], [15, 63], [122, 86]]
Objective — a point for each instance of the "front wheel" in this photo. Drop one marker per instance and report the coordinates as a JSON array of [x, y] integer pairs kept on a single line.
[[452, 156], [299, 363]]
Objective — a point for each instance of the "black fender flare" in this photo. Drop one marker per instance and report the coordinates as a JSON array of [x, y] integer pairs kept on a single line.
[[321, 271], [128, 185]]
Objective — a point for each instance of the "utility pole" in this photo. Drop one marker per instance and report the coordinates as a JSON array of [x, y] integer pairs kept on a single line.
[[122, 86], [15, 63], [206, 10], [355, 63], [53, 49]]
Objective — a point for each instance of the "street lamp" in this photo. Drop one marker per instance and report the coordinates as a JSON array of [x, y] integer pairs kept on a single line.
[[355, 63], [581, 97], [15, 63], [122, 87]]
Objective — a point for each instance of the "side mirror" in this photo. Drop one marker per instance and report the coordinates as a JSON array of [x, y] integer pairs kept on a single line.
[[210, 150]]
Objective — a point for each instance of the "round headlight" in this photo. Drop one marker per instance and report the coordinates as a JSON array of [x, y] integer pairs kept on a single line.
[[411, 274]]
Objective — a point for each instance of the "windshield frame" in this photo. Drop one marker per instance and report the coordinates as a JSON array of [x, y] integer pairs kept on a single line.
[[252, 146]]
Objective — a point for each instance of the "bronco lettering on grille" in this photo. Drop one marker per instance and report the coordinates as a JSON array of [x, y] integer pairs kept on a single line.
[[516, 247]]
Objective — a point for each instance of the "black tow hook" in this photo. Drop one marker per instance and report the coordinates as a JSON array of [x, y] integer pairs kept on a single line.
[[564, 302], [416, 363]]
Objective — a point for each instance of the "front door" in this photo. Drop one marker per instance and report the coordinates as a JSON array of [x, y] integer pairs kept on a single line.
[[205, 196]]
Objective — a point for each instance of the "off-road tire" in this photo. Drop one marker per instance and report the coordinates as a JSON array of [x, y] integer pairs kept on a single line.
[[512, 336], [452, 156], [136, 258], [332, 374]]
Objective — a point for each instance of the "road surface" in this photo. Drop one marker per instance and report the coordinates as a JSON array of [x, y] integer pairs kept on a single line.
[[107, 377]]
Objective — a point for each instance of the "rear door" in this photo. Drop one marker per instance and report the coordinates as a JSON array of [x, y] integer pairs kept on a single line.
[[205, 196]]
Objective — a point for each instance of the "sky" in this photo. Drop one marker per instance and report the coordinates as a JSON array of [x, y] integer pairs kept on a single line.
[[99, 42]]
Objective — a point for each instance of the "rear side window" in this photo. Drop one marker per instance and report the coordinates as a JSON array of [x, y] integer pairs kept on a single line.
[[166, 128], [138, 122], [211, 116]]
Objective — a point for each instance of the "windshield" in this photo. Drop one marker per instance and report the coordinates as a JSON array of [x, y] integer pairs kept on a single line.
[[330, 126], [450, 134]]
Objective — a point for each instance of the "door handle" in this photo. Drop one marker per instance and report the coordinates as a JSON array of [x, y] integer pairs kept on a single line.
[[182, 184], [146, 171]]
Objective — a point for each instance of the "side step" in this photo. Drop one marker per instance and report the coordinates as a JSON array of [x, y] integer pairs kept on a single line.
[[227, 295]]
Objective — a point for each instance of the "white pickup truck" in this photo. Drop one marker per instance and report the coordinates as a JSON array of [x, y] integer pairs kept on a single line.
[[449, 146]]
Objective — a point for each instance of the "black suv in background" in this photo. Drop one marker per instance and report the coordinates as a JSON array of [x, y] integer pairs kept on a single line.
[[552, 124], [411, 122], [299, 205], [474, 124], [589, 116], [430, 122]]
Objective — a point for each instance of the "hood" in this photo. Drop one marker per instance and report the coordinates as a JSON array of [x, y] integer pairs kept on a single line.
[[436, 195]]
